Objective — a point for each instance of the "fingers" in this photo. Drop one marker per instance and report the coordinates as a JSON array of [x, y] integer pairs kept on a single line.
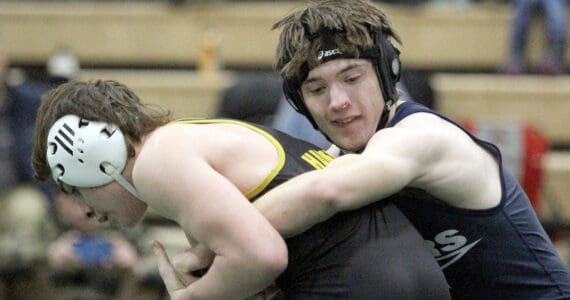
[[183, 264], [187, 263], [166, 269], [204, 254]]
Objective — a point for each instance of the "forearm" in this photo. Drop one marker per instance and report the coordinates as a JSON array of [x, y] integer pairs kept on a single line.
[[227, 279], [347, 183], [298, 204]]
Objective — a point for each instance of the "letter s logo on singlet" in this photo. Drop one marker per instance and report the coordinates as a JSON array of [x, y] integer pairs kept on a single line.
[[448, 247]]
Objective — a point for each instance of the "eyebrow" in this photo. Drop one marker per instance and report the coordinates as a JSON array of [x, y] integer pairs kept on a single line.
[[348, 67]]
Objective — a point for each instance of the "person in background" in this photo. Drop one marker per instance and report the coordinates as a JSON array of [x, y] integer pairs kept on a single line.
[[86, 256], [25, 226], [554, 52]]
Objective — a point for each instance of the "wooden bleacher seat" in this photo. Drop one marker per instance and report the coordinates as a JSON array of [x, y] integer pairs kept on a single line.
[[543, 101], [185, 93], [555, 206], [159, 33]]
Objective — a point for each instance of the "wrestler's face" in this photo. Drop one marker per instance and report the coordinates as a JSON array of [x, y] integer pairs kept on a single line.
[[112, 203], [345, 100]]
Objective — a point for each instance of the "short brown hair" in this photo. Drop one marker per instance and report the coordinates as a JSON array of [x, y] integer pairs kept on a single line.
[[350, 20], [102, 101]]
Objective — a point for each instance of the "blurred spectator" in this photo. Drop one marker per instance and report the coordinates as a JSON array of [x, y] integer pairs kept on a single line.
[[87, 260], [25, 227], [554, 11], [7, 176], [23, 96], [253, 98]]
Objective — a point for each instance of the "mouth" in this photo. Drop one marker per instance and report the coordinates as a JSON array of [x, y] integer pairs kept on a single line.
[[344, 121], [115, 223]]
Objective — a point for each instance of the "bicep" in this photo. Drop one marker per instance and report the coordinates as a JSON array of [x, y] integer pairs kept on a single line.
[[207, 206], [389, 163], [360, 179], [216, 213]]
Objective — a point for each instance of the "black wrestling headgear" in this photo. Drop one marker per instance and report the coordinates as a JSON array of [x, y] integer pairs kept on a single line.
[[383, 55]]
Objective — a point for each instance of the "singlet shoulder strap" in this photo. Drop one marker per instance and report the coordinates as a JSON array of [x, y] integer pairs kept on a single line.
[[278, 147]]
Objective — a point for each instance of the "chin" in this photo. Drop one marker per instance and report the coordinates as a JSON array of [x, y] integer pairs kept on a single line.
[[348, 144], [132, 223]]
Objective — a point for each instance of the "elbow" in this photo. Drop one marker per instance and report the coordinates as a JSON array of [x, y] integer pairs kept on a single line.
[[269, 261], [274, 261]]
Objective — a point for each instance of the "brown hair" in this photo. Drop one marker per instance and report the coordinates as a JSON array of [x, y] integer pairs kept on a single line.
[[349, 20], [102, 101]]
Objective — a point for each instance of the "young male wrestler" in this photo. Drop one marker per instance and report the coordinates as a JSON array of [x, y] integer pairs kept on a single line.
[[340, 70]]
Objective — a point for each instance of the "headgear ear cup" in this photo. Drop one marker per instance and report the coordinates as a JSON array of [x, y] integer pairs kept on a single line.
[[388, 66], [295, 99], [79, 151], [292, 96]]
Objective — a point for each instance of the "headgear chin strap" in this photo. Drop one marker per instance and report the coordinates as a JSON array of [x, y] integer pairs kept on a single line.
[[383, 55], [87, 154]]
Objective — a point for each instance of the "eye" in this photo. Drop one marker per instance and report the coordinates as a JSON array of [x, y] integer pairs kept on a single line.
[[352, 79], [315, 89]]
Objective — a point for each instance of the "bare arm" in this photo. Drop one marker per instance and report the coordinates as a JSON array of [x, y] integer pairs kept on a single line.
[[425, 152], [348, 182], [249, 253]]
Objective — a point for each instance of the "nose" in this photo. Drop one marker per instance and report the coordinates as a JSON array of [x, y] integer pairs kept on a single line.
[[103, 219], [339, 98], [90, 214]]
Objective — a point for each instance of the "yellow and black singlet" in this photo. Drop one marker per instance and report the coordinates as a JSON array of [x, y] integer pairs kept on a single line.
[[294, 156]]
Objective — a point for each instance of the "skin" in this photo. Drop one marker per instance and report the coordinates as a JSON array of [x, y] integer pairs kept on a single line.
[[422, 151], [328, 91], [201, 186]]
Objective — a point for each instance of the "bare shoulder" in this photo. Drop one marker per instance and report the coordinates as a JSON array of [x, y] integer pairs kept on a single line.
[[423, 122], [451, 156], [162, 153], [419, 131], [167, 143], [239, 154]]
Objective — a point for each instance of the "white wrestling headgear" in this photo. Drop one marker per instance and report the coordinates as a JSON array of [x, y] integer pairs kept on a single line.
[[87, 154]]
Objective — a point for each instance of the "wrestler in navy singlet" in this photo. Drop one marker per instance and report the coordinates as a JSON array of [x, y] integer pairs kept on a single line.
[[497, 253]]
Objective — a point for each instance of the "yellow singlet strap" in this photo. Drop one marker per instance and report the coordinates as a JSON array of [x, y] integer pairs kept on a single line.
[[278, 147]]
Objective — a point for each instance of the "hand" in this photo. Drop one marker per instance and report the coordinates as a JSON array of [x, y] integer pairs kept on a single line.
[[61, 255], [192, 263], [174, 285]]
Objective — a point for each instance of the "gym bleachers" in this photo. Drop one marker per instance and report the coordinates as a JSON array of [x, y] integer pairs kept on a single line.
[[184, 93], [183, 56], [135, 41], [161, 34], [542, 101], [118, 36]]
